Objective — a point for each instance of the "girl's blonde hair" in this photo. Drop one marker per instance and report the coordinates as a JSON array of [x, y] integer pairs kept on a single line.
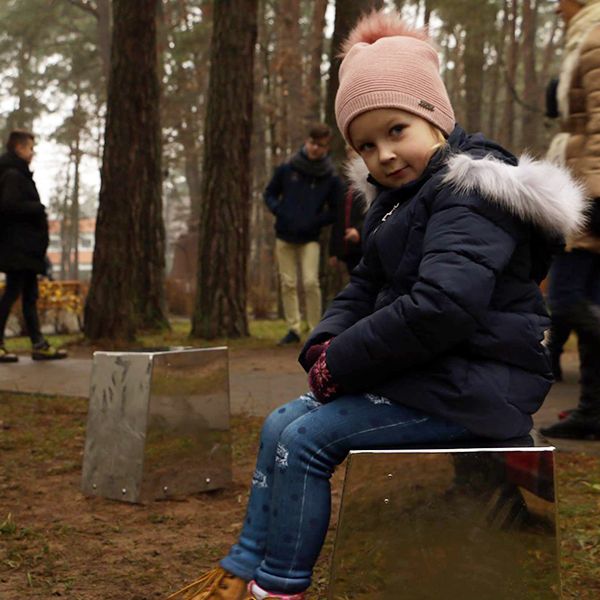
[[439, 135]]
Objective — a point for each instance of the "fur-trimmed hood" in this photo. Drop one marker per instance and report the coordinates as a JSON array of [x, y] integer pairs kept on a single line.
[[534, 190]]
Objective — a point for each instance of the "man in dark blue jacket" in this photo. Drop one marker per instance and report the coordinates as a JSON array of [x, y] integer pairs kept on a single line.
[[303, 195]]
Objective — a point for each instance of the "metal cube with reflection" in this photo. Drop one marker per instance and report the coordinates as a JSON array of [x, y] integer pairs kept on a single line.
[[462, 524], [158, 424]]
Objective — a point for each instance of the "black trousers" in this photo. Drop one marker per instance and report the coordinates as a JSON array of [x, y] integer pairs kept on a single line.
[[24, 284], [574, 299]]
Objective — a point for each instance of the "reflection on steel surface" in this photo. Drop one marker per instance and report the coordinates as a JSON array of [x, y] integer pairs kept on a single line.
[[158, 424], [454, 524]]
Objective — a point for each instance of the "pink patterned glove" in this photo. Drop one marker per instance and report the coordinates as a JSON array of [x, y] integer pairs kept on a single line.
[[319, 378]]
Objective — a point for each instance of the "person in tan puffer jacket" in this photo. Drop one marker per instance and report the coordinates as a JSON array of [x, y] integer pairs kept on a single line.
[[574, 290]]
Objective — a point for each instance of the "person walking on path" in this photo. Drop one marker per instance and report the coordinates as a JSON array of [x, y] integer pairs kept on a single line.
[[573, 291], [23, 243], [345, 241], [303, 195], [438, 337]]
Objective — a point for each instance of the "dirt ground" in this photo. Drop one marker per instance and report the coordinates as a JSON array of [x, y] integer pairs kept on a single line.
[[55, 542]]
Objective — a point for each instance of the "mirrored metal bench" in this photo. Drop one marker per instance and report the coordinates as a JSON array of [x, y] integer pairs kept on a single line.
[[468, 523], [158, 424]]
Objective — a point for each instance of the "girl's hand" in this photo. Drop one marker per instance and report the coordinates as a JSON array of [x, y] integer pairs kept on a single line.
[[312, 354], [352, 235], [320, 381]]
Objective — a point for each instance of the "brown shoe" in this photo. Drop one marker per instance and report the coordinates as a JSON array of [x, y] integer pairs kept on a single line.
[[217, 584]]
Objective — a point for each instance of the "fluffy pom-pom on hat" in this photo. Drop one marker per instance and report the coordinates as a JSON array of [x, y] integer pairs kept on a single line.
[[378, 25], [389, 64]]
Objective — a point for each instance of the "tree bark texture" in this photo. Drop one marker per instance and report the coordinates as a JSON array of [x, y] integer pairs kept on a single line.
[[127, 287], [474, 61], [104, 34], [290, 70], [507, 129], [316, 58], [74, 212], [220, 308], [529, 120]]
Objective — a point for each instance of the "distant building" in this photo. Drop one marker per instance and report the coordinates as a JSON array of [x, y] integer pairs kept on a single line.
[[87, 228]]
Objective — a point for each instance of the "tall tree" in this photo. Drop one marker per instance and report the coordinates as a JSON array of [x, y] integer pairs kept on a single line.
[[316, 42], [220, 308], [127, 287], [346, 15], [507, 129], [289, 72], [101, 11], [529, 122]]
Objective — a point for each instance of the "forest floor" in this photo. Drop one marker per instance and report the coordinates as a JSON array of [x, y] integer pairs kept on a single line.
[[56, 542]]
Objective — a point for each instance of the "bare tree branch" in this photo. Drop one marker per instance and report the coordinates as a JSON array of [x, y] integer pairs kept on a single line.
[[86, 5]]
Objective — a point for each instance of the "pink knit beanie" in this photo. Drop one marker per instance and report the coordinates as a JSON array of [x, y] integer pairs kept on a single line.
[[388, 64]]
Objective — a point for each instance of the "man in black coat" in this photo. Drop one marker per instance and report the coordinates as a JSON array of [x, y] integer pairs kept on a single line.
[[23, 243]]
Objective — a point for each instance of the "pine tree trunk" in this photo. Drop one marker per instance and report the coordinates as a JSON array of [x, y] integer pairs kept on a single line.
[[499, 47], [316, 58], [193, 176], [74, 216], [507, 129], [104, 33], [127, 287], [346, 15], [262, 279], [473, 60], [529, 121], [427, 10], [65, 248], [220, 308]]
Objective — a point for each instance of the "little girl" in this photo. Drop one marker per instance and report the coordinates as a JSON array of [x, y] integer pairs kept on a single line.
[[438, 337]]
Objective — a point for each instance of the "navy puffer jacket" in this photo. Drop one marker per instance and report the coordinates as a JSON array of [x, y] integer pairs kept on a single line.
[[302, 203], [444, 312]]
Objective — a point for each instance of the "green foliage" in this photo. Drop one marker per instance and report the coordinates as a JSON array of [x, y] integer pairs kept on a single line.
[[45, 48]]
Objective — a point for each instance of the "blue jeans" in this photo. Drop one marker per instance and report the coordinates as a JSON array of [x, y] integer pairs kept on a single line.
[[290, 501]]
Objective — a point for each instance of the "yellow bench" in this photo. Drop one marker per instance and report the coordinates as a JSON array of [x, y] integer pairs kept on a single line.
[[57, 298]]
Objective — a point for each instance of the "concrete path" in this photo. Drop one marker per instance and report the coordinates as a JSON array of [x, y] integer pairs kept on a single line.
[[252, 390], [255, 388]]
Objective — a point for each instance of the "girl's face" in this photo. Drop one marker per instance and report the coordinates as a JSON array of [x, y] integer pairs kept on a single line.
[[395, 145]]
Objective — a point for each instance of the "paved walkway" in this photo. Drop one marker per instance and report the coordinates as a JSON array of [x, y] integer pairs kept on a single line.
[[254, 389]]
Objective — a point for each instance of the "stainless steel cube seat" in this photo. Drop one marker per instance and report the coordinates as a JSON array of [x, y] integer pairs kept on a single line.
[[158, 424], [446, 523]]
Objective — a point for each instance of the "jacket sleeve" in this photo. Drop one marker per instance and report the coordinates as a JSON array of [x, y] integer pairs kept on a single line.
[[335, 196], [357, 213], [463, 252], [352, 304], [589, 67], [274, 190], [11, 198]]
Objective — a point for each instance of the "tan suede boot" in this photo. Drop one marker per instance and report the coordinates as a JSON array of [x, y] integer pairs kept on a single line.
[[217, 584]]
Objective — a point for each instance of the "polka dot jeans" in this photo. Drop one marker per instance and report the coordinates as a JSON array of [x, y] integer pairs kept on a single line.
[[290, 501]]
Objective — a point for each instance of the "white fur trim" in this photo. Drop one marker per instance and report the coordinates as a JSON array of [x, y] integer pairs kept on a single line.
[[557, 151], [536, 191], [357, 172]]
